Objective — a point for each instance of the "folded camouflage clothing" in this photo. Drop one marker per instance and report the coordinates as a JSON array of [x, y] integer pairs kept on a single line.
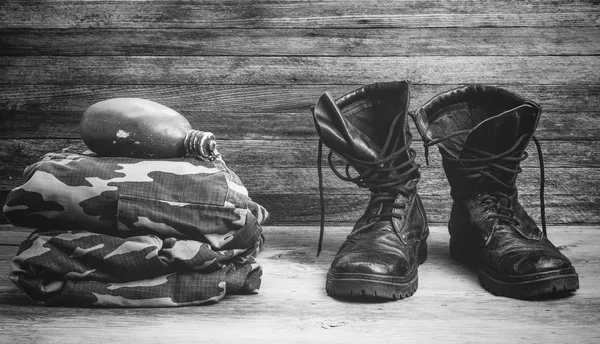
[[125, 232]]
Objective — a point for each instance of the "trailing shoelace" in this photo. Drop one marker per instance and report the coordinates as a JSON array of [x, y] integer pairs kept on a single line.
[[481, 163], [377, 176]]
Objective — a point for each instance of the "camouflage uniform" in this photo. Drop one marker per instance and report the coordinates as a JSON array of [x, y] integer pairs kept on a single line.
[[134, 233]]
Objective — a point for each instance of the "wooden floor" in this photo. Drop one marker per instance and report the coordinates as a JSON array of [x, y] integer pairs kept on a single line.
[[292, 306]]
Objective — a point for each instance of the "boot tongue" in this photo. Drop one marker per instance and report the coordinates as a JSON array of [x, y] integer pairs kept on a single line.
[[499, 133]]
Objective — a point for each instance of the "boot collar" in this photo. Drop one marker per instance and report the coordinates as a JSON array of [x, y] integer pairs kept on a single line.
[[492, 132], [499, 133], [355, 125]]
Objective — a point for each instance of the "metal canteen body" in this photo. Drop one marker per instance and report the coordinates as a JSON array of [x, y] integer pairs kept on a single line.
[[141, 128]]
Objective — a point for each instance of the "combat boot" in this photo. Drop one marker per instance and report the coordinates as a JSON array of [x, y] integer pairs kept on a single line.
[[482, 133], [368, 129]]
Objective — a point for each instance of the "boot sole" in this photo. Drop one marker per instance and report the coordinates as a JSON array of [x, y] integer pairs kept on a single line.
[[528, 286], [376, 287], [518, 287]]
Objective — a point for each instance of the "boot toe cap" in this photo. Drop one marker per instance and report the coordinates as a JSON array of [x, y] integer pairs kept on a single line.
[[542, 263], [381, 264]]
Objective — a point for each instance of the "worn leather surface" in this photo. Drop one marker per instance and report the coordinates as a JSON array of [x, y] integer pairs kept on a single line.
[[494, 135], [467, 107], [388, 247], [520, 250], [495, 120], [355, 126]]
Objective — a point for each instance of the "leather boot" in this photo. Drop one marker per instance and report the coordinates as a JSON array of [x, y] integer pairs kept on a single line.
[[367, 128], [482, 133]]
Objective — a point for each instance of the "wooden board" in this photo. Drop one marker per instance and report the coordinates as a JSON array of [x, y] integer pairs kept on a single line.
[[149, 70], [269, 99], [294, 14], [478, 41]]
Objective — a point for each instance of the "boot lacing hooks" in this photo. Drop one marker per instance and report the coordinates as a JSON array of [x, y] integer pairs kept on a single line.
[[374, 176], [488, 162]]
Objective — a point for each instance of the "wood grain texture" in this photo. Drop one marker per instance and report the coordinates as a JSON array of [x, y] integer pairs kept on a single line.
[[280, 99], [303, 209], [238, 70], [480, 41], [296, 14], [449, 305]]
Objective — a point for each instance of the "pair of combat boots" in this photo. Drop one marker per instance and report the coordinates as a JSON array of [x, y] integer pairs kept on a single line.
[[482, 133]]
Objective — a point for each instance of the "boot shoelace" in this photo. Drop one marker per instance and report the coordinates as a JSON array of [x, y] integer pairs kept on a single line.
[[481, 163], [384, 189]]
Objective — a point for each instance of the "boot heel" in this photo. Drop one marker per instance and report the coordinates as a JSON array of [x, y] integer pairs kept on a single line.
[[460, 252]]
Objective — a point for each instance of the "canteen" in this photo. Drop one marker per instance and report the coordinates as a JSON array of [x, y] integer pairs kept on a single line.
[[141, 128]]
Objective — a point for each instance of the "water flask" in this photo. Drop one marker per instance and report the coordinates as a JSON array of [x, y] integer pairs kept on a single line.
[[141, 128]]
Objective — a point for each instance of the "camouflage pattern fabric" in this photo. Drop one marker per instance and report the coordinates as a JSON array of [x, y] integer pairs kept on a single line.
[[113, 231], [187, 198], [85, 269]]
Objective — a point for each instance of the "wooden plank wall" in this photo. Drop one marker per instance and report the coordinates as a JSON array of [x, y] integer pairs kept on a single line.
[[250, 70]]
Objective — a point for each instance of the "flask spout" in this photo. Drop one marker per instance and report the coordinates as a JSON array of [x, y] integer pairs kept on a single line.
[[201, 144]]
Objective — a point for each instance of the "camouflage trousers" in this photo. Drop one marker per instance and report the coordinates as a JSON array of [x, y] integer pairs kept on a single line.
[[123, 232]]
